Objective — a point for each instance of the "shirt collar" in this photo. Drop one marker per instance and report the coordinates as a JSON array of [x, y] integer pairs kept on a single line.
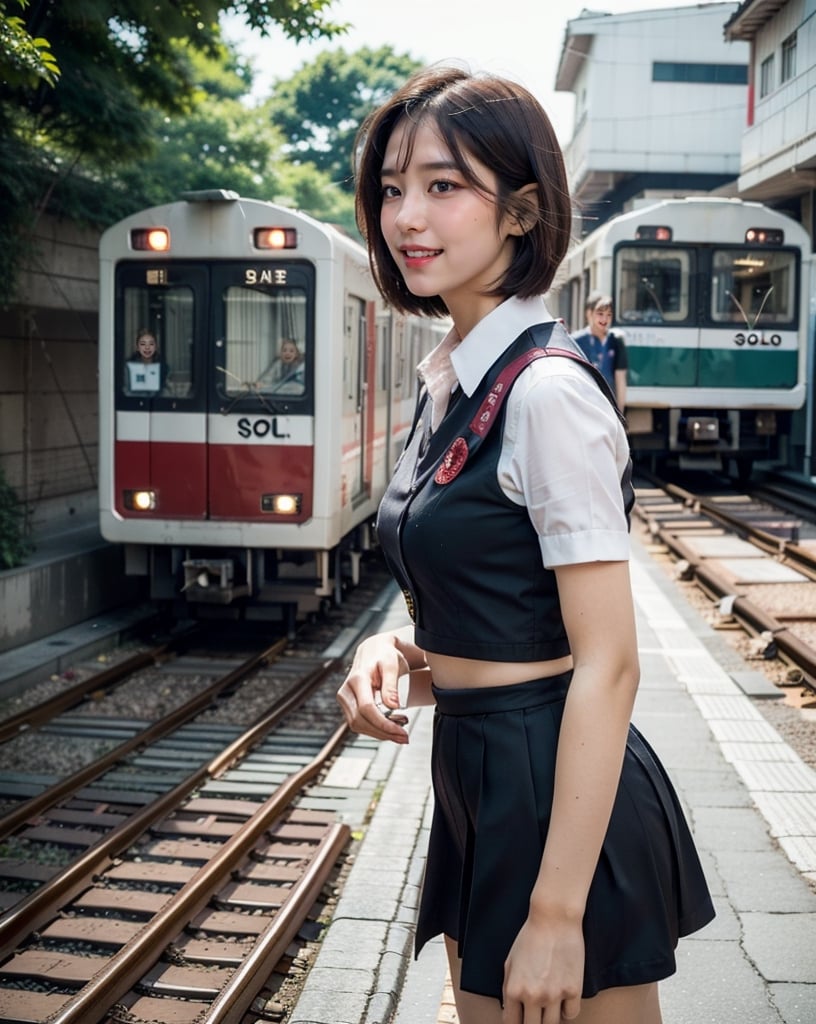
[[481, 347]]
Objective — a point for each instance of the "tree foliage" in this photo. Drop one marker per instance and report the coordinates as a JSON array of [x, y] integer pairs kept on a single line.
[[148, 101], [24, 59], [222, 143], [124, 65], [320, 108]]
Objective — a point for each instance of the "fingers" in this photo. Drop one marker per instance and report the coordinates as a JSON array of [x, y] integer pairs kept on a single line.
[[515, 1012], [365, 715]]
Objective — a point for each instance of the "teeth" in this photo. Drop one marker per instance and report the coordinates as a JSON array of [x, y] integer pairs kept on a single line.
[[420, 252]]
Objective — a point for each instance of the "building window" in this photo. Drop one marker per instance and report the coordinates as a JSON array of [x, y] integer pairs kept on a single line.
[[706, 74], [788, 57], [766, 75]]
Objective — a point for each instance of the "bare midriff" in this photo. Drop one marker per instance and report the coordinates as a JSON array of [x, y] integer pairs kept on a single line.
[[461, 673]]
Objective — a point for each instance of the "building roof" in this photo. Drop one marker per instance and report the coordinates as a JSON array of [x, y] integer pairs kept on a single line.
[[749, 18], [573, 54]]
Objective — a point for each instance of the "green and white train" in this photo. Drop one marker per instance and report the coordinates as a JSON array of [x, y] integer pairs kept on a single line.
[[712, 297]]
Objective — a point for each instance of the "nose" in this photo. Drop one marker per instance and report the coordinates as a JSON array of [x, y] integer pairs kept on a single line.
[[411, 213]]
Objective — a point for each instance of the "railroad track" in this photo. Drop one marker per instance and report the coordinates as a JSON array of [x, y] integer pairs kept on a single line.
[[165, 880], [750, 557]]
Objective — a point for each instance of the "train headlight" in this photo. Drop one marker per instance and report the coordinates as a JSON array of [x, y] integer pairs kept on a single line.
[[275, 238], [765, 423], [653, 233], [150, 239], [140, 501], [765, 236], [281, 504]]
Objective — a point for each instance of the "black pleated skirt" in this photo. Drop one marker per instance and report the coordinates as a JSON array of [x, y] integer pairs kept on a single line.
[[493, 766]]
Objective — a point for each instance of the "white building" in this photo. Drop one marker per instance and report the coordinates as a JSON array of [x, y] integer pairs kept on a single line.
[[660, 98], [778, 157]]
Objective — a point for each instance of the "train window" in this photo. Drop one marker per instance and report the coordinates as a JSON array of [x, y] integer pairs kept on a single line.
[[264, 343], [753, 286], [653, 284], [156, 339], [383, 351]]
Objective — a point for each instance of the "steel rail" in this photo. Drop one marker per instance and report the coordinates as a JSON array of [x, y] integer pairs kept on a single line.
[[128, 964], [804, 560], [796, 651], [60, 790], [31, 717], [245, 983], [39, 906]]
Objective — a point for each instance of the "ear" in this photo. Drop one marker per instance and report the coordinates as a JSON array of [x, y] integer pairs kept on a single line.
[[523, 210]]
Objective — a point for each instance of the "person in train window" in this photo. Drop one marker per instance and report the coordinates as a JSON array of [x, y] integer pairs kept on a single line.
[[146, 370], [286, 376], [603, 347], [560, 868]]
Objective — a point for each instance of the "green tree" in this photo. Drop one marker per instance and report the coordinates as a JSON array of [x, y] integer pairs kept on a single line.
[[24, 60], [217, 143], [123, 64], [222, 143], [320, 108], [304, 187]]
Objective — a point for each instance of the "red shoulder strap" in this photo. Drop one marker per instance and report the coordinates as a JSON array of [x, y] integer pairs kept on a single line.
[[483, 420]]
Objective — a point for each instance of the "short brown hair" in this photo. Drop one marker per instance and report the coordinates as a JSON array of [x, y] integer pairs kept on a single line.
[[500, 124], [597, 300]]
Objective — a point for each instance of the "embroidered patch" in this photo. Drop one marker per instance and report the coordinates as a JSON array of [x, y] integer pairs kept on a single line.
[[455, 458]]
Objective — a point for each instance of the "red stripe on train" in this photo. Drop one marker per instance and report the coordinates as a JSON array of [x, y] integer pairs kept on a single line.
[[196, 481]]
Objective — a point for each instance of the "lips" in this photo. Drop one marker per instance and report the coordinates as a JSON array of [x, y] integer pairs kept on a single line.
[[417, 257]]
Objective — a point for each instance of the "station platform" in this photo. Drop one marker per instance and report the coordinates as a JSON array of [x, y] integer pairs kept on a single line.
[[69, 599], [751, 802]]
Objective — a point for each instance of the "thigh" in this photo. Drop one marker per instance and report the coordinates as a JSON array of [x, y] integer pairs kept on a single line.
[[634, 1004], [470, 1008]]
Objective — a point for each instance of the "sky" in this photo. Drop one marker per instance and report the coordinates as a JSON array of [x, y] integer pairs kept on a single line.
[[520, 39]]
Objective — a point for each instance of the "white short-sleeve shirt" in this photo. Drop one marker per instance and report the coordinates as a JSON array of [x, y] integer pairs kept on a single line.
[[564, 447]]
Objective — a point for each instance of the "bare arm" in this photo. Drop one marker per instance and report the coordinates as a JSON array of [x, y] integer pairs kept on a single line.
[[545, 965], [372, 683], [620, 388]]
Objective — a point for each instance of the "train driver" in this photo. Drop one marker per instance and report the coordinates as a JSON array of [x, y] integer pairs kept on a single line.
[[287, 373]]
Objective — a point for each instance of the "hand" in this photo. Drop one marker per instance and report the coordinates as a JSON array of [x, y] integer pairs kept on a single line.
[[370, 691], [544, 972]]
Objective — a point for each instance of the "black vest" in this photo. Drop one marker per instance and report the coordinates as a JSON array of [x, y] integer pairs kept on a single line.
[[467, 557]]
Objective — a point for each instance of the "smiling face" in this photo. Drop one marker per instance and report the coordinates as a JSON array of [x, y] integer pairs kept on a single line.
[[599, 320], [146, 347], [289, 352], [441, 231]]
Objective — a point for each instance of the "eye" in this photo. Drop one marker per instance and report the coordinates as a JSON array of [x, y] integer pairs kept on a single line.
[[390, 191], [443, 187]]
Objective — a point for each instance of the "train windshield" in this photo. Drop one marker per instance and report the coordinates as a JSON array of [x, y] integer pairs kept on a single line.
[[753, 286], [220, 336], [653, 285], [264, 342], [733, 287], [155, 329]]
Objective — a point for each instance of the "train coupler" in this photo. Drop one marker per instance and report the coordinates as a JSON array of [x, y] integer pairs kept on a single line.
[[211, 580]]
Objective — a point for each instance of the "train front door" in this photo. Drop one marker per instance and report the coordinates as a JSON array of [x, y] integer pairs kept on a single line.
[[358, 404], [160, 403]]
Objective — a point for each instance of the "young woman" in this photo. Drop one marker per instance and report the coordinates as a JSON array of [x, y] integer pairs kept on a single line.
[[146, 353], [560, 869], [147, 350], [603, 348]]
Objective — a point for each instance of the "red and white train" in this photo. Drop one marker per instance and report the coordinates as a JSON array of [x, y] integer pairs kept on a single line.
[[243, 464]]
